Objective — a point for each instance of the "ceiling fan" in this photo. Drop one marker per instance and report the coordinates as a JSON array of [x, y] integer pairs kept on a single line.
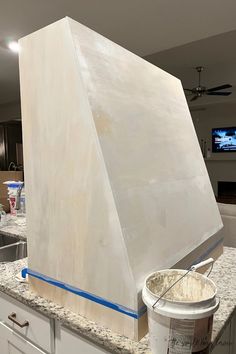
[[200, 90]]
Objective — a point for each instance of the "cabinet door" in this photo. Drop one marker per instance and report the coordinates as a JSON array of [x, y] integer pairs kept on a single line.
[[13, 136], [68, 342], [13, 343], [233, 335], [226, 343], [3, 164], [40, 331]]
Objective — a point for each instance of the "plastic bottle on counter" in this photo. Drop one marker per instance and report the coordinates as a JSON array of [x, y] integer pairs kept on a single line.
[[13, 188]]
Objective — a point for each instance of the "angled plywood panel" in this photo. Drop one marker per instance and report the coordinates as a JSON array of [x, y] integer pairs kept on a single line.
[[159, 179], [116, 184]]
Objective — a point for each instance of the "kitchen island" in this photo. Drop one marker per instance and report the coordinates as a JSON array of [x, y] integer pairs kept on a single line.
[[223, 274]]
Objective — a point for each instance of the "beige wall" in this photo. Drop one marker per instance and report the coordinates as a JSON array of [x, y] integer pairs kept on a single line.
[[10, 111], [221, 166]]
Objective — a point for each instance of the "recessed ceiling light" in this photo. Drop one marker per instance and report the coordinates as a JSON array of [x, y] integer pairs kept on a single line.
[[14, 46]]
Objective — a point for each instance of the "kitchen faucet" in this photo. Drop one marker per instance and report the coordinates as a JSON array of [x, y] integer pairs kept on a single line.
[[18, 195]]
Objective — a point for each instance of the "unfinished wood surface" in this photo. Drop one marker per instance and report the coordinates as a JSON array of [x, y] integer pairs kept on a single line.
[[115, 321], [116, 185], [212, 247]]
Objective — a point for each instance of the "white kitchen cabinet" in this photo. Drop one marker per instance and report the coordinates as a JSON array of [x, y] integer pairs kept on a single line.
[[24, 330], [70, 343], [13, 343], [234, 335], [226, 344], [42, 336]]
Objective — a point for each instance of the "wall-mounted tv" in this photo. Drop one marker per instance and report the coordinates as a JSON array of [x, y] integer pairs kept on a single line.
[[224, 139]]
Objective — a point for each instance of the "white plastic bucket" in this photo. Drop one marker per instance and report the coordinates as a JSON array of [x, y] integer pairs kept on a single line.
[[181, 320]]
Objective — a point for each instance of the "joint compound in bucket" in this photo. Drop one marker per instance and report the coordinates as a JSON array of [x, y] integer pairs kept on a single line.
[[181, 320]]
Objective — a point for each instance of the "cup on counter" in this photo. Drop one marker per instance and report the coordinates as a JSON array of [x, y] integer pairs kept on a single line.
[[17, 207]]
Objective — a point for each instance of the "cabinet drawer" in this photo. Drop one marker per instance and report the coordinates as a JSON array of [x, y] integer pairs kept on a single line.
[[12, 343], [40, 329]]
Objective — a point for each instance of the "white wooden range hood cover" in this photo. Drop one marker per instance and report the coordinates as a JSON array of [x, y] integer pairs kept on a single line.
[[115, 180]]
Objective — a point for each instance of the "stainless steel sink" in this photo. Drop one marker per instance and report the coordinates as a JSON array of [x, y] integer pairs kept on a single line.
[[13, 250], [7, 240]]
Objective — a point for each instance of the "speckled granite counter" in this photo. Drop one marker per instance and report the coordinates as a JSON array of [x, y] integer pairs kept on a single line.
[[223, 274], [15, 227]]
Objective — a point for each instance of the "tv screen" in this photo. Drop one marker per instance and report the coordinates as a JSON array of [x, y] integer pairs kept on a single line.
[[224, 139]]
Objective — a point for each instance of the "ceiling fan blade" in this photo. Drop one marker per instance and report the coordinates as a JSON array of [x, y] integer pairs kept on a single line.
[[197, 109], [185, 89], [194, 98], [218, 93], [222, 87]]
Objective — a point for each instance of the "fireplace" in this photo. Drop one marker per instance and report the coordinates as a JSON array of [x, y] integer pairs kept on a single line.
[[226, 192]]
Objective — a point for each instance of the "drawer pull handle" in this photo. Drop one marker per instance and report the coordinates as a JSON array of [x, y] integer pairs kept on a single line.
[[12, 317]]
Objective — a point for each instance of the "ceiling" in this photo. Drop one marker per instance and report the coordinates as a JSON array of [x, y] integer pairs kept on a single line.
[[144, 27], [218, 56]]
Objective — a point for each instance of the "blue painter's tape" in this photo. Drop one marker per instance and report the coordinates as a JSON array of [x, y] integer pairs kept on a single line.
[[24, 272], [85, 294], [98, 299]]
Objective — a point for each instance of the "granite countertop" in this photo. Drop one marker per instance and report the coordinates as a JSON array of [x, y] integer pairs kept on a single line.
[[223, 274], [14, 227]]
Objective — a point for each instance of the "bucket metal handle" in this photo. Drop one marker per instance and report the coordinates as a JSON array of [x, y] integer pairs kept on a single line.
[[202, 264], [193, 268], [218, 297]]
